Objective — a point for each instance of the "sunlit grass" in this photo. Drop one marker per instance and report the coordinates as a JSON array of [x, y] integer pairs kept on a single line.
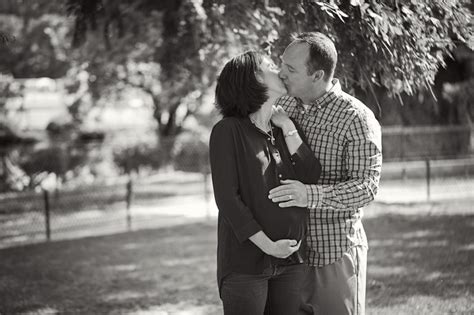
[[420, 262]]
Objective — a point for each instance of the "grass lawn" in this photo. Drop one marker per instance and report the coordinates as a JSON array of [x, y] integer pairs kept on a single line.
[[420, 262]]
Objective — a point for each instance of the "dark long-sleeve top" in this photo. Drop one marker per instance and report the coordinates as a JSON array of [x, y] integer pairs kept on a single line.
[[245, 166]]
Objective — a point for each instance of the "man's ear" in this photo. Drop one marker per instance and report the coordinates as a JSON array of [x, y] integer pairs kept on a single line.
[[317, 75]]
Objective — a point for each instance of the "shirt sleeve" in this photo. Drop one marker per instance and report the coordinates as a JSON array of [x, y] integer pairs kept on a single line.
[[363, 157], [225, 181]]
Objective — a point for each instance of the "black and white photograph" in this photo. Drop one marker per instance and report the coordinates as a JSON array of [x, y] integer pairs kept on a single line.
[[246, 157]]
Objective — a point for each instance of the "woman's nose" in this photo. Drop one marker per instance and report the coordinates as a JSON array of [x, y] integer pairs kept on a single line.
[[281, 74]]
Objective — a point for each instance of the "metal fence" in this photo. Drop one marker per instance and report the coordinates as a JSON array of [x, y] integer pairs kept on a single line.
[[125, 205], [427, 180], [405, 143], [427, 163], [76, 188], [172, 184]]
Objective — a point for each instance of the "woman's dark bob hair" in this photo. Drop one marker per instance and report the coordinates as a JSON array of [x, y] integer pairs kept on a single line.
[[238, 92]]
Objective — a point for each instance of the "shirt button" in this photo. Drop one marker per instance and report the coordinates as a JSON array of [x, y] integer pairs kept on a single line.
[[279, 175], [269, 139], [293, 163]]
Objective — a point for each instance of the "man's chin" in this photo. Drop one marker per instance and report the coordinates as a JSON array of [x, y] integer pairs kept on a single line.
[[289, 92]]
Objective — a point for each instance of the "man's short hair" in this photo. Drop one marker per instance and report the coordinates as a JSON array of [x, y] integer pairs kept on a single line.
[[238, 92], [322, 53]]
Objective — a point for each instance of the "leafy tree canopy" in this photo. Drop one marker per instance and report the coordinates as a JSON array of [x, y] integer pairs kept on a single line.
[[397, 44], [172, 49], [407, 39], [159, 47]]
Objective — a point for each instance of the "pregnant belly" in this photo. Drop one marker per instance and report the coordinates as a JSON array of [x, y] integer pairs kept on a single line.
[[285, 224]]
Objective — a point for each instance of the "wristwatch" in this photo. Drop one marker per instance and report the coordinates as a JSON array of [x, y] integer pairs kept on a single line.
[[291, 133]]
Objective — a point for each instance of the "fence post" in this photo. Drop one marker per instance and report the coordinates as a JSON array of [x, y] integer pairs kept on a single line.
[[402, 145], [47, 214], [207, 193], [402, 154], [428, 178], [129, 203]]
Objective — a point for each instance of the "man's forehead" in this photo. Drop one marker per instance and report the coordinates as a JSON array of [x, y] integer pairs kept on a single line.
[[295, 53]]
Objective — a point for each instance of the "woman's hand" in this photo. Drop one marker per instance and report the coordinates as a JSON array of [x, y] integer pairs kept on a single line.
[[284, 248], [280, 119], [280, 249]]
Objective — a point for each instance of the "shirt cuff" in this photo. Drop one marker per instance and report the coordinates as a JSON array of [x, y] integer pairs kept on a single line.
[[314, 195], [303, 153], [247, 230]]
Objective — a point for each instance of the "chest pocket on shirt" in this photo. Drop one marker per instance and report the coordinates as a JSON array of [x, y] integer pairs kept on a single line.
[[327, 142]]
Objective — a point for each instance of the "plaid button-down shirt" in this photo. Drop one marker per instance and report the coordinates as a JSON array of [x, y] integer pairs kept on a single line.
[[346, 137]]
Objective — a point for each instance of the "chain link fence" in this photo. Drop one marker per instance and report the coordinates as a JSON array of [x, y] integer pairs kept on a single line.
[[83, 189], [101, 209], [89, 188], [427, 163], [404, 143]]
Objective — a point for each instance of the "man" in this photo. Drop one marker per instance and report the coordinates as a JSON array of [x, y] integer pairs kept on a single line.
[[345, 136]]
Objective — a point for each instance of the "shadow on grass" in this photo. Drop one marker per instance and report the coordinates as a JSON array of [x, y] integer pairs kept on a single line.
[[416, 258], [113, 274]]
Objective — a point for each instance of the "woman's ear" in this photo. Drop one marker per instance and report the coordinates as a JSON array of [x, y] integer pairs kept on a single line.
[[259, 77]]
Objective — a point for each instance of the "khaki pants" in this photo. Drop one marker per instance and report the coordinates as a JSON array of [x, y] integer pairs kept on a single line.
[[338, 288]]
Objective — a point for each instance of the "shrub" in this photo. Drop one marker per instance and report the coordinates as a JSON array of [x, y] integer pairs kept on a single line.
[[135, 156], [191, 152]]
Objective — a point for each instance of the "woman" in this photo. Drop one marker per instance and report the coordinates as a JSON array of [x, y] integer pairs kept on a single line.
[[259, 260]]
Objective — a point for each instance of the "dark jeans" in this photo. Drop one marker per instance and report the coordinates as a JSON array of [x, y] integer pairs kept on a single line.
[[276, 291]]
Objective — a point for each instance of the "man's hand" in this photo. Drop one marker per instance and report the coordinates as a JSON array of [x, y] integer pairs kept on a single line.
[[284, 248], [291, 193]]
